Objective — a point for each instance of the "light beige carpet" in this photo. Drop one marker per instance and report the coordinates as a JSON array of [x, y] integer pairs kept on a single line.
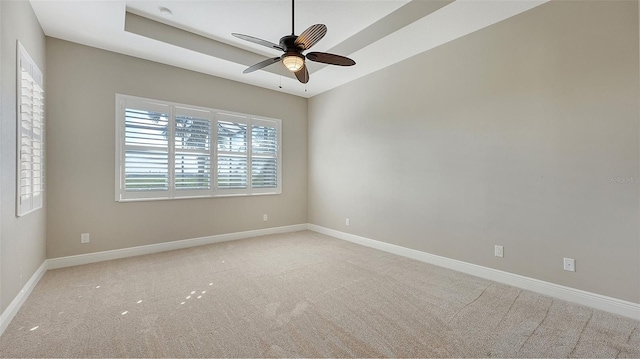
[[299, 295]]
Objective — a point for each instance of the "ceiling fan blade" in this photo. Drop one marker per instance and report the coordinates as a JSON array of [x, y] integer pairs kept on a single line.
[[261, 64], [311, 36], [303, 74], [330, 59], [255, 40]]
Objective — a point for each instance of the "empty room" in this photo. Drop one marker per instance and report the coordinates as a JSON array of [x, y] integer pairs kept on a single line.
[[320, 178]]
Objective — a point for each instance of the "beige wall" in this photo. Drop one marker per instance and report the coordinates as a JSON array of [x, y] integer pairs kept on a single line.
[[523, 134], [82, 83], [22, 240], [509, 136]]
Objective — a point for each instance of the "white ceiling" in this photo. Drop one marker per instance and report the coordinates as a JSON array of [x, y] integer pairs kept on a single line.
[[375, 33]]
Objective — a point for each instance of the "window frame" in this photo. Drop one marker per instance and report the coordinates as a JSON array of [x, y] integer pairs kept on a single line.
[[213, 115], [36, 201]]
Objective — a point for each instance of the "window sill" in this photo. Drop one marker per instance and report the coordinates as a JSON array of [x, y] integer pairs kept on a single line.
[[197, 197]]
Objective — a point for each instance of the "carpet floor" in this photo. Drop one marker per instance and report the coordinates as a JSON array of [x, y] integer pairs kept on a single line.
[[299, 294]]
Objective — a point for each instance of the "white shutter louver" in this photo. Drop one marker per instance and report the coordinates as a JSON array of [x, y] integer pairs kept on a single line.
[[146, 166], [30, 181], [264, 158]]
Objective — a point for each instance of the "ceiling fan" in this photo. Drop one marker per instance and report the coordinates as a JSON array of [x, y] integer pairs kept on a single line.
[[293, 46]]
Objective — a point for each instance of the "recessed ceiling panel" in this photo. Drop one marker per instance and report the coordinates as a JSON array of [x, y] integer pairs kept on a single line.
[[374, 33]]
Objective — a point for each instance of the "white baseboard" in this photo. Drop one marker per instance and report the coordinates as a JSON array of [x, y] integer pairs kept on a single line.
[[597, 301], [69, 261], [14, 306]]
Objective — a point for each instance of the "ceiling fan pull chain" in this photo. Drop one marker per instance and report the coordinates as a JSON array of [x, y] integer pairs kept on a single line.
[[280, 82]]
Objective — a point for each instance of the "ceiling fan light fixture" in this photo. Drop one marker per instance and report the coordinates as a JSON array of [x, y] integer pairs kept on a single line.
[[293, 61]]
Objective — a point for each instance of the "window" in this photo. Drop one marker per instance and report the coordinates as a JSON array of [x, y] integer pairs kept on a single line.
[[30, 135], [167, 150]]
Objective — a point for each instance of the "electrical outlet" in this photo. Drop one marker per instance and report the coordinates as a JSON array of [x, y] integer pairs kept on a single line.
[[570, 264], [265, 217], [498, 251], [347, 221], [84, 238]]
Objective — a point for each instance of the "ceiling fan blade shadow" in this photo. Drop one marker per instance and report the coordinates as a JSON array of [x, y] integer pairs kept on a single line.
[[255, 40], [303, 74], [330, 59], [261, 64], [311, 36]]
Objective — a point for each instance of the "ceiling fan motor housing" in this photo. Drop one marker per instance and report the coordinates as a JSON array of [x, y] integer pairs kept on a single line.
[[287, 43]]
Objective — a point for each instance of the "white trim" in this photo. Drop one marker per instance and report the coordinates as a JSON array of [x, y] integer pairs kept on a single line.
[[597, 301], [69, 261], [16, 303]]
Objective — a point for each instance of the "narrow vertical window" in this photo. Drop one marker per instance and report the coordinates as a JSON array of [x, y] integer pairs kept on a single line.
[[146, 152], [264, 155], [30, 135], [232, 153], [192, 160]]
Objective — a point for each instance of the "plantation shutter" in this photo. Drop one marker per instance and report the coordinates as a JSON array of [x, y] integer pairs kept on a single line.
[[30, 116], [232, 171], [146, 148], [168, 150], [264, 155], [192, 133]]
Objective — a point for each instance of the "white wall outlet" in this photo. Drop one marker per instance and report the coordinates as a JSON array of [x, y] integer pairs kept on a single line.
[[85, 238], [347, 221], [498, 251], [570, 264], [265, 217]]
